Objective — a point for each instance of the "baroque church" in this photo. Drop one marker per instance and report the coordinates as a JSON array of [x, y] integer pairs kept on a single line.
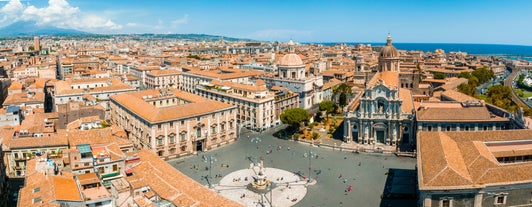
[[385, 114], [292, 74]]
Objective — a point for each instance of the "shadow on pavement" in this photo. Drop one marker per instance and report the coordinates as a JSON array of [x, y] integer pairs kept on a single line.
[[400, 188]]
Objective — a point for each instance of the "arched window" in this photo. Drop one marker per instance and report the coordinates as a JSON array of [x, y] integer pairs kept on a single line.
[[381, 106]]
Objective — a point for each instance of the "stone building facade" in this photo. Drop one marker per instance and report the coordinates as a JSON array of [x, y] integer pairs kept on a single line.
[[173, 123], [384, 117]]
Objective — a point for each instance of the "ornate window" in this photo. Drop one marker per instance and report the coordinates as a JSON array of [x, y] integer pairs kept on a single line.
[[171, 138], [213, 129], [183, 136], [198, 132]]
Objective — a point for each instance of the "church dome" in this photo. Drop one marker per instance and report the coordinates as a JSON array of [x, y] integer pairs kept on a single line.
[[389, 50], [291, 60]]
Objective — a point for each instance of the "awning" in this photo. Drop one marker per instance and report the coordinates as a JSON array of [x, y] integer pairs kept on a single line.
[[84, 148], [109, 175]]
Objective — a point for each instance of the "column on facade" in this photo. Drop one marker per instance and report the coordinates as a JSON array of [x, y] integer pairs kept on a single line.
[[371, 133], [388, 132], [399, 133], [478, 200], [347, 128], [366, 132], [152, 140]]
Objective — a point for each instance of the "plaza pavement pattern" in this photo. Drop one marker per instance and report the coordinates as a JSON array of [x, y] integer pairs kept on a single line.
[[289, 188], [334, 170]]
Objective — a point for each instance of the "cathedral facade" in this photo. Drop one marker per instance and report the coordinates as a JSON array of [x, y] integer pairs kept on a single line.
[[384, 115]]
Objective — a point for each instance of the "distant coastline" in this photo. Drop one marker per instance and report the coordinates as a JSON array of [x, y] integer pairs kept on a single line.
[[510, 51]]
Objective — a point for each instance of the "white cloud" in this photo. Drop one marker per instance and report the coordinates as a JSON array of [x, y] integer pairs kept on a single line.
[[57, 13], [131, 24], [182, 20], [11, 11]]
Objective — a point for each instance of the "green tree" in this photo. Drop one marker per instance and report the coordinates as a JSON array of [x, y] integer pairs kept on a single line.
[[473, 81], [327, 106], [483, 74], [501, 96], [315, 136], [343, 90], [439, 75], [294, 117], [31, 48], [468, 89], [343, 100], [466, 75], [197, 57]]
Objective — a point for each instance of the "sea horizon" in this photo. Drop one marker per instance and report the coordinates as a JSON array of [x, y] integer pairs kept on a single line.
[[523, 51]]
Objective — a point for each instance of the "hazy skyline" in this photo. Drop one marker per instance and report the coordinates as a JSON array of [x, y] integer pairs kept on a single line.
[[497, 22]]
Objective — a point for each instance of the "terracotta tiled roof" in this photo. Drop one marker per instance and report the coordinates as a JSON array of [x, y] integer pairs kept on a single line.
[[198, 105], [457, 96], [19, 98], [408, 102], [333, 82], [164, 72], [66, 189], [225, 76], [15, 85], [389, 78], [97, 136], [252, 88], [453, 114], [53, 140], [461, 160], [172, 185], [48, 189]]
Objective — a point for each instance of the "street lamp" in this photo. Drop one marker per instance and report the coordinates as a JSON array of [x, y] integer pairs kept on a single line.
[[310, 154], [256, 140], [210, 159]]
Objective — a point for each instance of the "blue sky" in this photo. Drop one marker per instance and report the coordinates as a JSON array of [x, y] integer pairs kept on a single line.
[[451, 21]]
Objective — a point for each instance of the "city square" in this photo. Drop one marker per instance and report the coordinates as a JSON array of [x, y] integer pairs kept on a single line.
[[334, 171]]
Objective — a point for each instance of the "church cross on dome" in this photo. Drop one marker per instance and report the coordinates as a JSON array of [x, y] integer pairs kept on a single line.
[[389, 39], [291, 48]]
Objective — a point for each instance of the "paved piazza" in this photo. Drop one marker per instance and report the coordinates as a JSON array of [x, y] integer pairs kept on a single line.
[[334, 171], [288, 189]]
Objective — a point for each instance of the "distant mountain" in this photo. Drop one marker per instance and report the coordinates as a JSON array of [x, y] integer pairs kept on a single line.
[[197, 37], [30, 28]]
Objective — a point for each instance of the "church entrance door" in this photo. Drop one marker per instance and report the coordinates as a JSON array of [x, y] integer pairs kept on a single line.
[[380, 136]]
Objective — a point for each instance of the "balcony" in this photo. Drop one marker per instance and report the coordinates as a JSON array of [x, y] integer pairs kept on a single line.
[[197, 138]]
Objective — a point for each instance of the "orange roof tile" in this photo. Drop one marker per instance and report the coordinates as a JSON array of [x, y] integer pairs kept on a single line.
[[198, 105], [172, 185]]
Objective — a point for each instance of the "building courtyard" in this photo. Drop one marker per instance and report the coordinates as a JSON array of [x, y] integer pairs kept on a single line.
[[334, 171]]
